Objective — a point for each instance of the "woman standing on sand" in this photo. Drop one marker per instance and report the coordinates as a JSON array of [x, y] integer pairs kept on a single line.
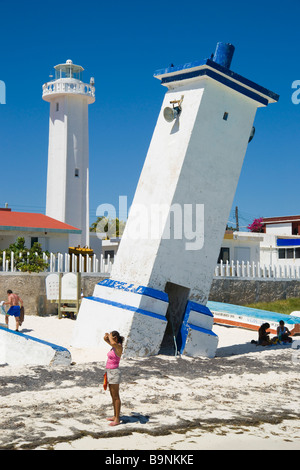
[[113, 372]]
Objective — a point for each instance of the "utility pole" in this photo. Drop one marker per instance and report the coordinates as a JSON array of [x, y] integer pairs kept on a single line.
[[237, 218]]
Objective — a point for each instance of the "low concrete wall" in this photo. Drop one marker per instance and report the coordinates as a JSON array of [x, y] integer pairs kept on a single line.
[[246, 291], [32, 289]]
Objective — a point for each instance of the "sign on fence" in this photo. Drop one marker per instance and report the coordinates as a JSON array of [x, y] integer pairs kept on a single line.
[[52, 286], [69, 286]]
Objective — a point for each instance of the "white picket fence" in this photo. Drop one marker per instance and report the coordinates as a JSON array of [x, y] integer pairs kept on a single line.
[[80, 263], [256, 270], [61, 262]]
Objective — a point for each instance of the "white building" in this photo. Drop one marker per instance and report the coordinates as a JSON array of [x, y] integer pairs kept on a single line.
[[68, 154], [278, 244], [53, 235], [110, 248], [286, 231]]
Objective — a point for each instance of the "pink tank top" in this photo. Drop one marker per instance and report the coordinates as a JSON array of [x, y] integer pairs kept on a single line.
[[113, 360]]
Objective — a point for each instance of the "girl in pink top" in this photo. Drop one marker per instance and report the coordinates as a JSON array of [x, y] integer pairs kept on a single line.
[[113, 372]]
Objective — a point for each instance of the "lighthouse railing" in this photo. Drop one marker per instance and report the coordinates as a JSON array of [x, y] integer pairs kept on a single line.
[[61, 86]]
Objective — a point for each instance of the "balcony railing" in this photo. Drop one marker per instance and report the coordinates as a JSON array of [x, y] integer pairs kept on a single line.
[[63, 86]]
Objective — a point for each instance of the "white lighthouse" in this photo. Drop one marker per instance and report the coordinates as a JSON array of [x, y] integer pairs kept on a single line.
[[68, 154]]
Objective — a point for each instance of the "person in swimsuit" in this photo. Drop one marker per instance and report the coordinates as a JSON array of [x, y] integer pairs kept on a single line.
[[283, 333], [263, 336], [14, 310], [113, 372]]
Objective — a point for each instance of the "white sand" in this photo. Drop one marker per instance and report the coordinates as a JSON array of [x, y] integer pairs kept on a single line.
[[245, 398]]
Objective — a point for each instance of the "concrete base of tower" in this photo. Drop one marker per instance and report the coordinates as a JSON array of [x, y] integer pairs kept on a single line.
[[196, 337], [138, 313]]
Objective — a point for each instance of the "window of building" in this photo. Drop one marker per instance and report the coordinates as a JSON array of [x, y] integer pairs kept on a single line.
[[77, 172], [225, 116], [224, 255], [57, 106], [288, 253], [111, 253], [33, 241]]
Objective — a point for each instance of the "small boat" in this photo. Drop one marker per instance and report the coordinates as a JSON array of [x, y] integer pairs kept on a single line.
[[251, 318]]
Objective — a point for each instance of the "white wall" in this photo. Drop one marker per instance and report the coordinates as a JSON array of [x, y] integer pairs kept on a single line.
[[95, 244], [51, 242], [237, 245], [263, 248], [279, 229]]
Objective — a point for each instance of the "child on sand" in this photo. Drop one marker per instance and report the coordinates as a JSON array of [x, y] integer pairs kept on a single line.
[[263, 336]]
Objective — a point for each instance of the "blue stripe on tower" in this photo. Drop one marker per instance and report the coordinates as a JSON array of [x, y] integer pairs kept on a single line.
[[127, 307], [142, 290]]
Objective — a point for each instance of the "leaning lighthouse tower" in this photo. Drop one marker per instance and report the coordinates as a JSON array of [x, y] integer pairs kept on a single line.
[[68, 153]]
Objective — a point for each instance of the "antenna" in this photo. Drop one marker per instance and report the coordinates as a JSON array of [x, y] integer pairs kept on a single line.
[[237, 218]]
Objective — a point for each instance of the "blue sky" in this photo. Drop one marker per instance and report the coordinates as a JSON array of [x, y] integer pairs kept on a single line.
[[122, 44]]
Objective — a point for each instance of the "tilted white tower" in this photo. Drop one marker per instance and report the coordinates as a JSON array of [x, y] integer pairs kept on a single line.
[[161, 279], [68, 154]]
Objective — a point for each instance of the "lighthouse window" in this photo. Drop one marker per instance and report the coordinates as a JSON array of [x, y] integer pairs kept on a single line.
[[225, 116], [76, 172], [57, 106]]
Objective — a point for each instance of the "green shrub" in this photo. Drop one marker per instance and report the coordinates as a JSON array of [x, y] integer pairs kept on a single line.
[[25, 259]]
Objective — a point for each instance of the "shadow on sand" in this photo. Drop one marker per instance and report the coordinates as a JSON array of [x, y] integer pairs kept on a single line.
[[134, 418], [239, 349]]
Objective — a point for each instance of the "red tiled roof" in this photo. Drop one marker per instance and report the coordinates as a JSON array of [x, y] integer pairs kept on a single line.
[[31, 221]]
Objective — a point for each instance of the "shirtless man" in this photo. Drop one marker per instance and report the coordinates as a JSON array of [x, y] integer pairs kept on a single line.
[[14, 302]]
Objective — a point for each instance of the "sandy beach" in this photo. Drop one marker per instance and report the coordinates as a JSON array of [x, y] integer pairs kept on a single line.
[[247, 397]]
